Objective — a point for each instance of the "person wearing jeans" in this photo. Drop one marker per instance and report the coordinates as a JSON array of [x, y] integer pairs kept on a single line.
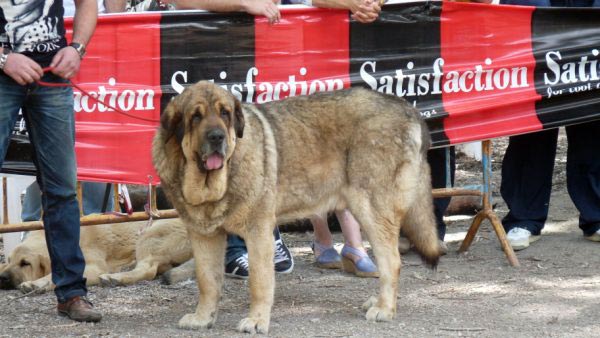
[[32, 36], [529, 162]]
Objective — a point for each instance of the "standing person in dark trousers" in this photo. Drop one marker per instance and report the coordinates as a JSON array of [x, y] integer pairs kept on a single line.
[[529, 162], [32, 36], [94, 194], [442, 162]]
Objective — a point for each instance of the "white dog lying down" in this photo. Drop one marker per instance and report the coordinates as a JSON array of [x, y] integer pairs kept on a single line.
[[108, 249]]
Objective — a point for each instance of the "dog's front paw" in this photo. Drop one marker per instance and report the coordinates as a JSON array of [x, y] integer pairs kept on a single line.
[[107, 280], [192, 321], [377, 314], [35, 286], [253, 325], [369, 303]]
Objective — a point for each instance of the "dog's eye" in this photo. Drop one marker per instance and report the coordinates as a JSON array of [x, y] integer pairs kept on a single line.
[[24, 263], [196, 118], [224, 114]]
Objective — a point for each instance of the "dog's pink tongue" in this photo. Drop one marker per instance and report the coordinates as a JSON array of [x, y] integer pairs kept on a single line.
[[214, 161]]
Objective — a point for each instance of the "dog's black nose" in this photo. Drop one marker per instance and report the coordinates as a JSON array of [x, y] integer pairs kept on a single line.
[[4, 280], [215, 136]]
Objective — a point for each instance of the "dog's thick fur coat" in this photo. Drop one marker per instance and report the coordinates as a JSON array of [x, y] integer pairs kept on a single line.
[[241, 169]]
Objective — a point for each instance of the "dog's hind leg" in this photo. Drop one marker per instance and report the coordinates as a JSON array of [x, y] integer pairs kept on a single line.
[[93, 271], [180, 273], [144, 270], [259, 241], [380, 223], [209, 255]]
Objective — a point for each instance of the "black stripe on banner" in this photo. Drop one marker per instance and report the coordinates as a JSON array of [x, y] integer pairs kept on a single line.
[[206, 46], [566, 45], [394, 55]]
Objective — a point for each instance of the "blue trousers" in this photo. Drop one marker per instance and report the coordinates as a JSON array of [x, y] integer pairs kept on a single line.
[[93, 200], [442, 162], [527, 177], [236, 246], [50, 122]]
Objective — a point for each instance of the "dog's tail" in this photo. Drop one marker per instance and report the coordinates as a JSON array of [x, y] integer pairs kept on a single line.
[[419, 225]]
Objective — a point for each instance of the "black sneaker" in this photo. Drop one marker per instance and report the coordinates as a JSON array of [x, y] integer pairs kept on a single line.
[[284, 262], [238, 268]]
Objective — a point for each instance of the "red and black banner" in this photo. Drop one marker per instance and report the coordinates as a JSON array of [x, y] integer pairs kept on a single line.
[[474, 71]]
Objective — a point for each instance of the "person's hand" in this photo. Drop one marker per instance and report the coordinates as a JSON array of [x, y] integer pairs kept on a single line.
[[365, 11], [268, 8], [66, 62], [22, 69]]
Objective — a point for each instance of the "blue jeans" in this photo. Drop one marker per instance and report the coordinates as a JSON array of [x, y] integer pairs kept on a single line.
[[50, 122], [93, 200], [236, 246]]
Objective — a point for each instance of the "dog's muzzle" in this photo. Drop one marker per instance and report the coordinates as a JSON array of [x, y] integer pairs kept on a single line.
[[6, 281], [214, 149]]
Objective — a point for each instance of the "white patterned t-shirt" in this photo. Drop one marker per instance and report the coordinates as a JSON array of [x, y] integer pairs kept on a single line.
[[33, 27]]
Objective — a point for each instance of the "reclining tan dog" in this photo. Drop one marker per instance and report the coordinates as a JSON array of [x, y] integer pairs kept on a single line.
[[108, 249], [233, 168]]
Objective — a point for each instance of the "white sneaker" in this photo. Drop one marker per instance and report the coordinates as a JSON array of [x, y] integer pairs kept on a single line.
[[595, 237], [520, 238]]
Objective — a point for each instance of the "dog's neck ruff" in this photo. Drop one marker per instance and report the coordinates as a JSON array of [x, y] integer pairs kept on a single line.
[[270, 145]]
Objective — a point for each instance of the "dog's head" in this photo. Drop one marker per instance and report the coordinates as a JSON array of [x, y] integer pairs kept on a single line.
[[205, 119], [24, 265], [203, 123]]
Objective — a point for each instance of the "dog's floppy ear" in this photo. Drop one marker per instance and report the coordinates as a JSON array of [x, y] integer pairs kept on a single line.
[[238, 123], [171, 121], [44, 262]]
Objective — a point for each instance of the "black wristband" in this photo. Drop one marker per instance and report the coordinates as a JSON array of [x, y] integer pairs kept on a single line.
[[79, 47]]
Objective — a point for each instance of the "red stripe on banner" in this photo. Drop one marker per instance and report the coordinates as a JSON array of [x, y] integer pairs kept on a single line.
[[121, 68], [488, 90], [307, 51]]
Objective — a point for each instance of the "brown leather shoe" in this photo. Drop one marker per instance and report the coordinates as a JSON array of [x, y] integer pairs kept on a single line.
[[79, 309]]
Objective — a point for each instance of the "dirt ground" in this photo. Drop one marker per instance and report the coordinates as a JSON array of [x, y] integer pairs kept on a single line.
[[555, 292]]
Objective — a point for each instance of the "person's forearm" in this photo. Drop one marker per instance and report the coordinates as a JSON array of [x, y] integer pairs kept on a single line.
[[212, 5], [84, 22], [340, 4], [115, 6]]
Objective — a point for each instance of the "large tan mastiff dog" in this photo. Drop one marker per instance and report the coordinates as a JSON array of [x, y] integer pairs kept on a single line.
[[241, 169]]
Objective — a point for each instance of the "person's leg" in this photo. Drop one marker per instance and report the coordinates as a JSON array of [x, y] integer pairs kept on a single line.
[[583, 174], [326, 256], [353, 250], [94, 197], [350, 229], [527, 179], [32, 203], [236, 247], [51, 124], [282, 259], [236, 257], [12, 96], [323, 238], [442, 162]]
